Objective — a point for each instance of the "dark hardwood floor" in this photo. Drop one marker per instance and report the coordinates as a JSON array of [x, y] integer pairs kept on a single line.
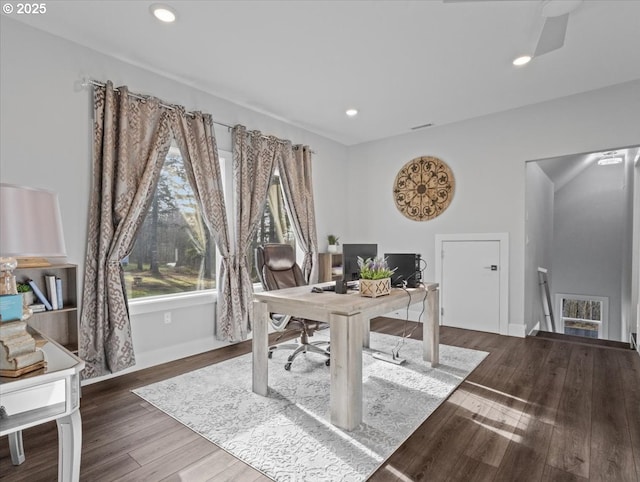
[[536, 409]]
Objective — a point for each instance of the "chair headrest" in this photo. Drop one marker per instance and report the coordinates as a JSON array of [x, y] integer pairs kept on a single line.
[[279, 257]]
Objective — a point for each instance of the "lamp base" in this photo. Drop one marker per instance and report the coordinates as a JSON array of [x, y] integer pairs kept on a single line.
[[32, 262]]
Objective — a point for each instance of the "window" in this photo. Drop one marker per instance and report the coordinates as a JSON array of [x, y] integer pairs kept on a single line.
[[274, 227], [173, 251], [583, 315]]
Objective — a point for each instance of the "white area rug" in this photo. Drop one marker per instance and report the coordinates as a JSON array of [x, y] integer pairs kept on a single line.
[[288, 436]]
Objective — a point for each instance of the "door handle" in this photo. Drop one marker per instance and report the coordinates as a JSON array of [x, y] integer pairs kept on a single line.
[[493, 267]]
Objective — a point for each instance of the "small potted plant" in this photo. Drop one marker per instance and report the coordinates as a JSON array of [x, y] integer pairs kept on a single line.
[[333, 243], [25, 290], [375, 277]]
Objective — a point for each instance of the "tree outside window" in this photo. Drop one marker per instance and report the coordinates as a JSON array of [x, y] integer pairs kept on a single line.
[[173, 251], [583, 315], [274, 227]]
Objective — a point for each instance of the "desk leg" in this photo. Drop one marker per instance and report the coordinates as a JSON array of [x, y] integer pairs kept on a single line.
[[69, 447], [366, 333], [431, 333], [260, 348], [346, 370], [15, 447]]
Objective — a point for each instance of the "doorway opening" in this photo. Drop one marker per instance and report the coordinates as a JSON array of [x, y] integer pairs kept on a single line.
[[580, 225]]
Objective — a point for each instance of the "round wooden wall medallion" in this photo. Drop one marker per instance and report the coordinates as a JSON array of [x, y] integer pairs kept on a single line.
[[423, 188]]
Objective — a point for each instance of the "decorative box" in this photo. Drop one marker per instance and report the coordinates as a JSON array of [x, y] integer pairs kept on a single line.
[[372, 288], [10, 307]]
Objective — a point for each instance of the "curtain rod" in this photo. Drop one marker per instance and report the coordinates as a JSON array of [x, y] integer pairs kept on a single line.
[[87, 82]]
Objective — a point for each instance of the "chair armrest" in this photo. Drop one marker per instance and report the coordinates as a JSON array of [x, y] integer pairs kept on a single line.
[[278, 321]]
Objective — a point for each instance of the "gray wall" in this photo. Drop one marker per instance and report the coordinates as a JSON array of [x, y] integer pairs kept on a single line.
[[590, 245], [538, 241], [487, 156], [45, 142], [628, 306], [45, 134]]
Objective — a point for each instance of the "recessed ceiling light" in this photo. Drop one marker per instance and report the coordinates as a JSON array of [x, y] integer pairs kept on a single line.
[[522, 60], [608, 158], [606, 161], [164, 13], [352, 112]]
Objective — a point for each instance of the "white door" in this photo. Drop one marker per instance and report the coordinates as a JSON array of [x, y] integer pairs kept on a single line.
[[470, 284]]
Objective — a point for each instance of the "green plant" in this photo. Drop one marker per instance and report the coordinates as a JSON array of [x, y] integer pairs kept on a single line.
[[333, 239], [375, 268], [23, 287]]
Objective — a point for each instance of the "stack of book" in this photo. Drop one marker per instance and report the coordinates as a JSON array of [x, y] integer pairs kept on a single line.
[[37, 308], [54, 290], [18, 351]]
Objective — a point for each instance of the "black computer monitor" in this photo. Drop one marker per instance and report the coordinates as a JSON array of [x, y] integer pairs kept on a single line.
[[350, 253], [408, 269]]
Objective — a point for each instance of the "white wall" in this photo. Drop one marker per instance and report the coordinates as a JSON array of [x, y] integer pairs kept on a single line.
[[487, 156], [538, 242], [589, 238], [45, 141]]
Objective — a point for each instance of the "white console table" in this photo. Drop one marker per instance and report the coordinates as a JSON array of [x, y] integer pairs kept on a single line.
[[52, 393]]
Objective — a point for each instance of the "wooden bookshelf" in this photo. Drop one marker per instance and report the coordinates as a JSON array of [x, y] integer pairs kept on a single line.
[[329, 267], [60, 325]]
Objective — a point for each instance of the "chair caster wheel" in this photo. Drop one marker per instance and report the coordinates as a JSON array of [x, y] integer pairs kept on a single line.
[[270, 355], [327, 362], [287, 366]]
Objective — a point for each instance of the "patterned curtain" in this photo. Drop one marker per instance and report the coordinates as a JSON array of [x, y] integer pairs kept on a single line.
[[131, 138], [195, 138], [254, 161], [295, 173]]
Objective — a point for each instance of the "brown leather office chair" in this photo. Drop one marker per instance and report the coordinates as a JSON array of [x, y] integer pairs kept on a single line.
[[277, 269]]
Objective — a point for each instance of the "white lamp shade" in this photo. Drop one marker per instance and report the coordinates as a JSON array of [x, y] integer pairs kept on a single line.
[[30, 223]]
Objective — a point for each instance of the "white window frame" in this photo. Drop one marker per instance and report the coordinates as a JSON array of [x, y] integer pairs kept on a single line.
[[603, 330]]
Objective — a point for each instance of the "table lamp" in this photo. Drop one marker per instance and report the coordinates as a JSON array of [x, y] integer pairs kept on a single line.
[[30, 226], [30, 232]]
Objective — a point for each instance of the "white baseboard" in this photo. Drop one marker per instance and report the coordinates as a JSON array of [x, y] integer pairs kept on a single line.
[[165, 355]]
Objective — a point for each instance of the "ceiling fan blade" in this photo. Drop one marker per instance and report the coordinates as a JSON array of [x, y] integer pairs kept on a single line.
[[552, 35]]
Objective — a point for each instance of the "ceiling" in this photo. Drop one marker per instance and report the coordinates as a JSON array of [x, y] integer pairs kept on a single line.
[[561, 170], [400, 63]]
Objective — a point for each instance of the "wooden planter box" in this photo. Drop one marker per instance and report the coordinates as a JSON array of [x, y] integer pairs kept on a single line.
[[372, 288]]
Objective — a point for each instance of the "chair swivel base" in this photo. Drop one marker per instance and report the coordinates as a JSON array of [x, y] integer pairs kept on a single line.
[[313, 347]]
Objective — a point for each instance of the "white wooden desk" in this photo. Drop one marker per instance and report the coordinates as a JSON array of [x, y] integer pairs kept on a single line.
[[348, 316], [52, 393]]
